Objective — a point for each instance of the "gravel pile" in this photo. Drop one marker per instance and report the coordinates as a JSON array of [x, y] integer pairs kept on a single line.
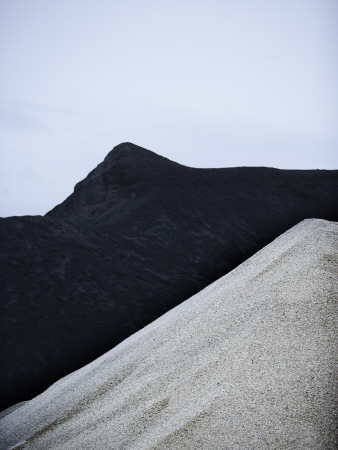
[[247, 363]]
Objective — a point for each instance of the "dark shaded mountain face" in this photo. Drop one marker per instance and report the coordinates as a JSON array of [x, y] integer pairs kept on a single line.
[[138, 236]]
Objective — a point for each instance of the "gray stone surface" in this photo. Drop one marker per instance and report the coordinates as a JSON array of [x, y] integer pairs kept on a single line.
[[11, 409], [248, 363]]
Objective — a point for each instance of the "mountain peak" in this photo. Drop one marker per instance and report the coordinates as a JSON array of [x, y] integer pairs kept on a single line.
[[124, 171], [129, 151], [129, 146]]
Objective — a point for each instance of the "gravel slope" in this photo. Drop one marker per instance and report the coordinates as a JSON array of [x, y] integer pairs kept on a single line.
[[249, 362]]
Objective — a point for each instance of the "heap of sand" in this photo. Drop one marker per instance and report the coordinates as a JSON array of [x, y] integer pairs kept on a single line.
[[249, 362]]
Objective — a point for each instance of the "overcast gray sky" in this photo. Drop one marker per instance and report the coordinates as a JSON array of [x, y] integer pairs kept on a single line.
[[212, 83]]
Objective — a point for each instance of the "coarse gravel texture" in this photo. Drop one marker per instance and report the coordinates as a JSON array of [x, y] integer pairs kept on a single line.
[[248, 363]]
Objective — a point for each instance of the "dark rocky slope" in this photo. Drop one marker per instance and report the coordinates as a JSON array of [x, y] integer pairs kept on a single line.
[[139, 235]]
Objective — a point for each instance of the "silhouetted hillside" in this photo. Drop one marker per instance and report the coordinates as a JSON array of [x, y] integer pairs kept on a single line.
[[139, 235]]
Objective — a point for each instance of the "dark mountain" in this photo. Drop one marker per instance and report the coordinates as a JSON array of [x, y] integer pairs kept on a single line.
[[138, 236]]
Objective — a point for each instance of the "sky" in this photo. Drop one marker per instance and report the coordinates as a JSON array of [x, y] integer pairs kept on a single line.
[[212, 83]]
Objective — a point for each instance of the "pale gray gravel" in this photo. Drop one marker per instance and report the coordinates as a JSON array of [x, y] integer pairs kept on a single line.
[[250, 362]]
